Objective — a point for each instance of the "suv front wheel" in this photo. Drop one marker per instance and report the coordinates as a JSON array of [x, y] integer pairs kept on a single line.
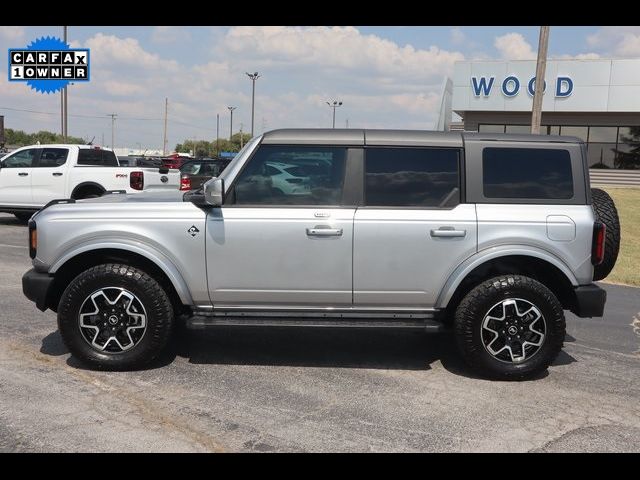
[[115, 317], [510, 327]]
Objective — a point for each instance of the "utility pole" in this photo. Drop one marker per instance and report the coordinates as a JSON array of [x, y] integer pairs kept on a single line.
[[231, 109], [164, 135], [241, 136], [113, 125], [541, 65], [63, 100], [334, 105], [346, 123], [217, 134], [253, 76]]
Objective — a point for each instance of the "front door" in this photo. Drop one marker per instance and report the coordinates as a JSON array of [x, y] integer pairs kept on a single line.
[[283, 237], [15, 178], [49, 175], [413, 231]]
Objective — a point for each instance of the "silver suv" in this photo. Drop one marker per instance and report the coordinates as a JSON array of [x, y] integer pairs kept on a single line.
[[492, 235]]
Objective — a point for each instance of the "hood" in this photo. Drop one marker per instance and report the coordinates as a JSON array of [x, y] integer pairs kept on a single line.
[[147, 196]]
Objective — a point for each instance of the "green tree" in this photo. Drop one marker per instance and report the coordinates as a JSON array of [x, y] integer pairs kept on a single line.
[[21, 138]]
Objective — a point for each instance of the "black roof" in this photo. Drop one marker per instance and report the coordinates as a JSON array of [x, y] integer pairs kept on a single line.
[[356, 136]]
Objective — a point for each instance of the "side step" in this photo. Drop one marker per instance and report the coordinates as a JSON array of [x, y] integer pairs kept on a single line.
[[199, 322]]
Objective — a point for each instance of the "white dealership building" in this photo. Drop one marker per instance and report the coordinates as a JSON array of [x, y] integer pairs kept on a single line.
[[596, 100]]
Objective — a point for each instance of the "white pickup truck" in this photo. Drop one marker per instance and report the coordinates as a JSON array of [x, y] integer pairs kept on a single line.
[[32, 176]]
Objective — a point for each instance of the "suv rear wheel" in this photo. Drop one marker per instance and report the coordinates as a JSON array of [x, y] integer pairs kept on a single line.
[[115, 317], [510, 327]]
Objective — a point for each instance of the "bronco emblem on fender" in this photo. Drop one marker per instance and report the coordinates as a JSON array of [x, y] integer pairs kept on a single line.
[[193, 230]]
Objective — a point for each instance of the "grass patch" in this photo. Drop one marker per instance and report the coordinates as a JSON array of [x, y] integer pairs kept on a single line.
[[627, 269]]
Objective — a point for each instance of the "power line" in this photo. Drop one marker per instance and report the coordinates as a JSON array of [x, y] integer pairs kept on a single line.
[[102, 117]]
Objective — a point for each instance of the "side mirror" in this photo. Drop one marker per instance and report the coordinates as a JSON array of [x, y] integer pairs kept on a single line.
[[214, 192]]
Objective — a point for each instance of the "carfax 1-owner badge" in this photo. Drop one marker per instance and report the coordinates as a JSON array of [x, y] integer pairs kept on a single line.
[[48, 64]]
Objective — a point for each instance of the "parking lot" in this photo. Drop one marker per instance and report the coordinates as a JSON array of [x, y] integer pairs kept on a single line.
[[257, 389]]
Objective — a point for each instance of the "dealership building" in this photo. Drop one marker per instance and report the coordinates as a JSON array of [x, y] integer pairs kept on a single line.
[[596, 100]]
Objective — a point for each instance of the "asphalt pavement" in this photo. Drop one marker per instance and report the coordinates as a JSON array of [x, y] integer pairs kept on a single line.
[[277, 389]]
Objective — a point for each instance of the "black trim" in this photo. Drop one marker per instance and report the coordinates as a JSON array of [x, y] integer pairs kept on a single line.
[[353, 184], [32, 228], [36, 287], [590, 301]]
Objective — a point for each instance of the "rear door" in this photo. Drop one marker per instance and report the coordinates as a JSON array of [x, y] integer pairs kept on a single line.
[[15, 178], [413, 230], [49, 175]]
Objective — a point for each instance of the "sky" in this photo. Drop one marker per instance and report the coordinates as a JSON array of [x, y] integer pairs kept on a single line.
[[386, 77]]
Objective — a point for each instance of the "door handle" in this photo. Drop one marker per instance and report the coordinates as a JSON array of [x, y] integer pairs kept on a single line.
[[448, 232], [23, 174], [324, 232], [57, 174]]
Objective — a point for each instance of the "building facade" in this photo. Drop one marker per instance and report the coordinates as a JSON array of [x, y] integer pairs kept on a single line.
[[596, 100]]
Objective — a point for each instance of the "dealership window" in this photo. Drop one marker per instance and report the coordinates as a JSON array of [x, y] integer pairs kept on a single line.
[[518, 129], [487, 128], [607, 146], [601, 155], [531, 173], [603, 134], [580, 132]]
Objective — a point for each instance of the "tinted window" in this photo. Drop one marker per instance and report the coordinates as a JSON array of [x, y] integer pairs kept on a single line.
[[267, 181], [52, 157], [97, 157], [527, 173], [191, 168], [426, 177], [22, 159]]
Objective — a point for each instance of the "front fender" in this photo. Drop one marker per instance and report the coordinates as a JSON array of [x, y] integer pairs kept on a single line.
[[145, 250], [466, 267]]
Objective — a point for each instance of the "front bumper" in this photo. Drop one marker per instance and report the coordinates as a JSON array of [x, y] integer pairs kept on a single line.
[[36, 287], [589, 301]]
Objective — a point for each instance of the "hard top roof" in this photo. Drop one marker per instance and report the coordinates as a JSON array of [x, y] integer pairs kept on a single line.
[[356, 136]]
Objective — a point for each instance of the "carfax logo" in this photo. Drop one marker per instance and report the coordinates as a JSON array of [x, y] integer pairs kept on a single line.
[[48, 64]]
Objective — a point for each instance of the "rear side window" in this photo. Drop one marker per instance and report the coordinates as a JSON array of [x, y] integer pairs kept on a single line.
[[97, 157], [412, 177], [532, 173], [52, 157]]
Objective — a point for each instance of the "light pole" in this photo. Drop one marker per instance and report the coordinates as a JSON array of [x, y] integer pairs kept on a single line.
[[231, 109], [63, 99], [253, 76], [541, 65], [113, 125], [334, 105], [217, 134]]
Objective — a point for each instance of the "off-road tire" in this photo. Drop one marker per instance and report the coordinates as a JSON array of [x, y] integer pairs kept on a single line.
[[471, 312], [607, 213], [156, 303]]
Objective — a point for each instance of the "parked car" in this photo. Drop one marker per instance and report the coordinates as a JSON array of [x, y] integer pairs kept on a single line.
[[493, 235], [32, 176], [129, 161], [195, 172], [175, 161]]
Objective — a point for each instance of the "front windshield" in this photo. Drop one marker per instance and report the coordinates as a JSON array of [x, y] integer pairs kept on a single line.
[[230, 171]]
